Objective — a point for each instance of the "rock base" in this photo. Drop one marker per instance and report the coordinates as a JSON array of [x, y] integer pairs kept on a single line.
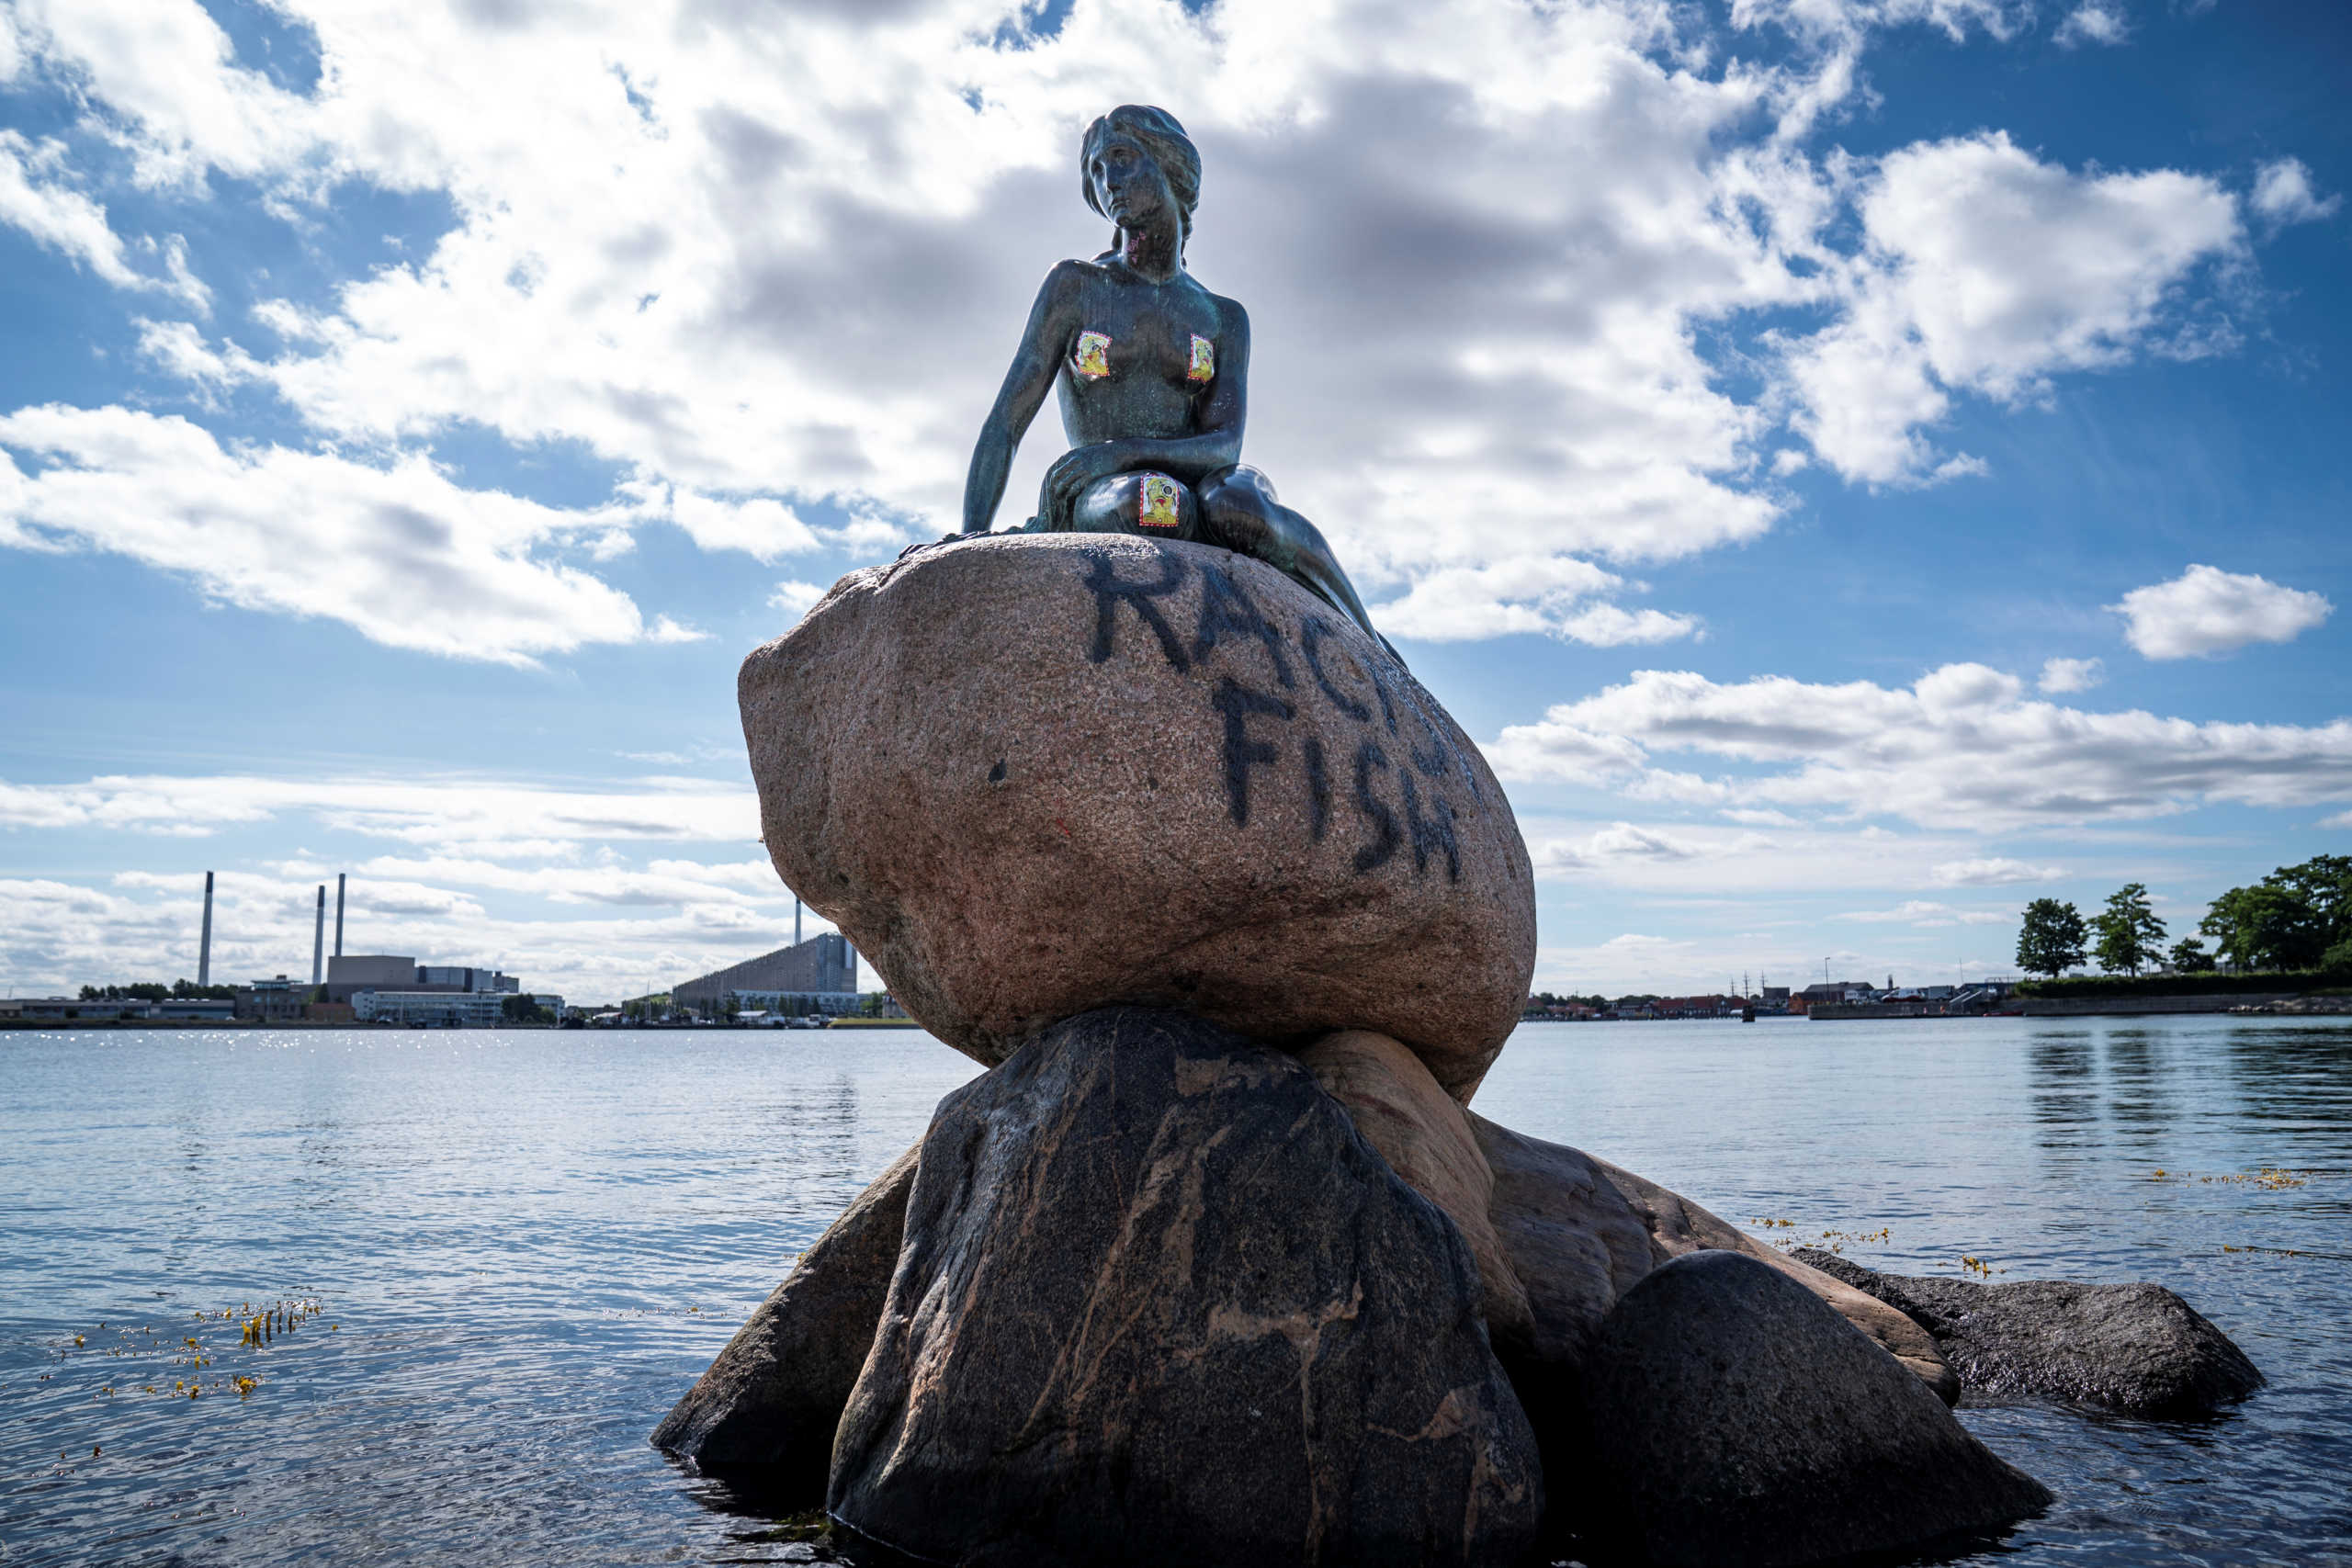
[[1160, 1302]]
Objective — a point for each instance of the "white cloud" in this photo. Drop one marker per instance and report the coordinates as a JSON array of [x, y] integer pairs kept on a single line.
[[1848, 19], [1991, 870], [74, 226], [1617, 842], [2093, 22], [2205, 611], [761, 527], [1559, 597], [1927, 914], [796, 598], [2062, 675], [484, 816], [766, 258], [401, 554], [1986, 270], [1960, 749], [544, 880], [2283, 193]]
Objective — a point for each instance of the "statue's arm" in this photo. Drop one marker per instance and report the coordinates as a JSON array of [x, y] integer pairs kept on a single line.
[[1192, 459], [1044, 342]]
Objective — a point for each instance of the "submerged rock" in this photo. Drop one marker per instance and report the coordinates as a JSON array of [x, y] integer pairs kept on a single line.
[[770, 1402], [1160, 1302], [1737, 1422], [1030, 775], [2137, 1349]]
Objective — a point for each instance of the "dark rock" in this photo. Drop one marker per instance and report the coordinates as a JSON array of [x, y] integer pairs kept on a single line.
[[1033, 774], [1426, 1138], [2136, 1349], [1160, 1302], [1677, 1225], [771, 1401], [1571, 1238], [1579, 1231], [1738, 1422]]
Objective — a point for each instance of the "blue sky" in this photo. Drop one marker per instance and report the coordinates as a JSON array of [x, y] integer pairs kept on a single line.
[[1854, 465]]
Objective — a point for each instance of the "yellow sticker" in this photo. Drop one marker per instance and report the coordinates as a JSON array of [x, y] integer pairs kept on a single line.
[[1203, 365], [1157, 507], [1092, 359]]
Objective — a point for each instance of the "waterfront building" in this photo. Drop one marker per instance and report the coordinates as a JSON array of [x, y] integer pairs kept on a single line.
[[272, 1000], [348, 974], [430, 1009], [818, 975]]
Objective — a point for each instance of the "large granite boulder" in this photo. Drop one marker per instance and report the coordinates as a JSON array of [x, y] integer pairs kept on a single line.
[[1160, 1302], [1426, 1138], [1033, 774], [1579, 1232], [2137, 1349], [1737, 1422], [767, 1408]]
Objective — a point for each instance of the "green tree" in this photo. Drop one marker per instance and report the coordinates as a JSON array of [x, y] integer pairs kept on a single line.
[[2264, 926], [2052, 940], [2128, 933], [2188, 956]]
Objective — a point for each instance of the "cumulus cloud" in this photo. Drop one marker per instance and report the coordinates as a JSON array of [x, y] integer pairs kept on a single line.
[[2062, 675], [2205, 611], [1560, 597], [2094, 22], [1986, 270], [1962, 746], [796, 598], [2283, 193], [400, 553], [766, 260]]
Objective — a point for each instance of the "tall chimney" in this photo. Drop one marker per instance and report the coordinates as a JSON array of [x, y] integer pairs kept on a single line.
[[204, 943], [795, 919], [319, 935], [338, 914]]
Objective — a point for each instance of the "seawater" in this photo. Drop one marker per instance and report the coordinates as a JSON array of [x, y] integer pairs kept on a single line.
[[524, 1246]]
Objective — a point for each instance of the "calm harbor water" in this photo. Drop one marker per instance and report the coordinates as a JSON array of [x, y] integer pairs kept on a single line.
[[524, 1246]]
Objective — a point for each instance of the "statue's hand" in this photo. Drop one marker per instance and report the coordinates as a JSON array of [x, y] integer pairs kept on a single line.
[[1078, 468]]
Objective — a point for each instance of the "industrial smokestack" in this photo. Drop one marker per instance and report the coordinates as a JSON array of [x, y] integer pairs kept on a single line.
[[319, 935], [204, 943], [795, 919], [338, 914]]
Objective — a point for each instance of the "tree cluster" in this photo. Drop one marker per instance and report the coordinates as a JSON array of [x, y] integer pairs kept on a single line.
[[156, 991], [2299, 917]]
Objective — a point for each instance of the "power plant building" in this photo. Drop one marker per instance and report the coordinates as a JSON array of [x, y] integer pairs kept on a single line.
[[349, 975], [818, 975]]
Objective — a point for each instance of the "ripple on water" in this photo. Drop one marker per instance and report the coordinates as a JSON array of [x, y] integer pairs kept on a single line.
[[525, 1246]]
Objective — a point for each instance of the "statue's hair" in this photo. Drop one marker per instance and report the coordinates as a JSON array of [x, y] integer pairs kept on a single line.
[[1157, 132]]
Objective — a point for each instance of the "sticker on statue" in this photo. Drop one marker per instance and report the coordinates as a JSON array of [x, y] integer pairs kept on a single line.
[[1092, 357], [1156, 506], [1203, 365]]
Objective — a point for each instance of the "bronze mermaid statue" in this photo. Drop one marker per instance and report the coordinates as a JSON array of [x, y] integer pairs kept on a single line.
[[1154, 374]]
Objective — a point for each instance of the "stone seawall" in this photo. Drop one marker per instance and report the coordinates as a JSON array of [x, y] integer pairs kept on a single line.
[[2126, 1007]]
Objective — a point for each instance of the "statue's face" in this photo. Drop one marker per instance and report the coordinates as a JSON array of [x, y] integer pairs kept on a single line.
[[1128, 185]]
